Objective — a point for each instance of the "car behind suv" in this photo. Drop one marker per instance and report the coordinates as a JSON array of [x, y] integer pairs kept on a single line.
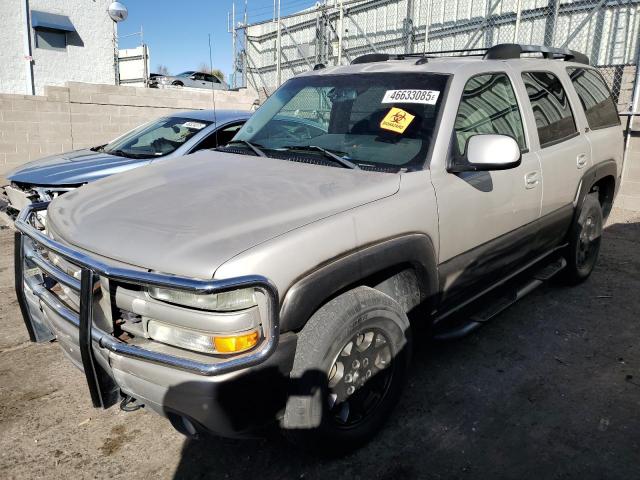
[[273, 279], [172, 136]]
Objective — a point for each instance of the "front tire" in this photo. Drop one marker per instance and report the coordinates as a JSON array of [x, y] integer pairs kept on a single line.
[[349, 369], [584, 241]]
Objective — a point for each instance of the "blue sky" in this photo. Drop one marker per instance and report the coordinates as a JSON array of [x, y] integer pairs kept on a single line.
[[176, 31]]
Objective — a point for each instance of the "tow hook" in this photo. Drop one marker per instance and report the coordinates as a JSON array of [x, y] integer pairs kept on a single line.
[[128, 404]]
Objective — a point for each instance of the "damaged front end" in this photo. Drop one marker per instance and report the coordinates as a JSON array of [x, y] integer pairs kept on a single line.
[[20, 195], [123, 327]]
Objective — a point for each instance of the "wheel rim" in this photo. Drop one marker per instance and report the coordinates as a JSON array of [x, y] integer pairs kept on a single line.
[[359, 377], [587, 242]]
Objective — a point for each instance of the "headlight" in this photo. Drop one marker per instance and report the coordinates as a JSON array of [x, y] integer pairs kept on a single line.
[[202, 341], [221, 302]]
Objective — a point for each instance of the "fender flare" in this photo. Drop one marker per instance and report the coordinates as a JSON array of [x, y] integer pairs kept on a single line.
[[315, 287], [591, 176]]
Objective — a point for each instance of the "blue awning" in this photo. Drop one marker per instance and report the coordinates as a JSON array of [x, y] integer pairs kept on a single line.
[[51, 21]]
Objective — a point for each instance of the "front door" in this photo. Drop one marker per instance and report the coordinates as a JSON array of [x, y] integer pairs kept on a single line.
[[486, 218]]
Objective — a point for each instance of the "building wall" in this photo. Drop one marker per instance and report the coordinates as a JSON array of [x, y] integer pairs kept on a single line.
[[82, 115], [87, 58]]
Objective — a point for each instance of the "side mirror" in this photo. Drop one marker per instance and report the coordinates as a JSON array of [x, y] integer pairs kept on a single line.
[[491, 152], [192, 77]]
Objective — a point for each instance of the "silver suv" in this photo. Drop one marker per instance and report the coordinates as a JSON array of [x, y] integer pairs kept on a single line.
[[274, 279]]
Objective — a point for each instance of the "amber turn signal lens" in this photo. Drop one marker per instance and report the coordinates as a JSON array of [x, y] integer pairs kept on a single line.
[[236, 343]]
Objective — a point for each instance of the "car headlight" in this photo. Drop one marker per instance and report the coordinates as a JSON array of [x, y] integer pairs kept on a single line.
[[200, 341], [220, 302]]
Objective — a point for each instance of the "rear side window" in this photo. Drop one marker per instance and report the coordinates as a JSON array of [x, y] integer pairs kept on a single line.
[[488, 105], [551, 107], [595, 98]]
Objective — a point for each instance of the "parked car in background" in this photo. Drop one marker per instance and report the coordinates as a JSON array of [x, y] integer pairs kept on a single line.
[[190, 79], [167, 137]]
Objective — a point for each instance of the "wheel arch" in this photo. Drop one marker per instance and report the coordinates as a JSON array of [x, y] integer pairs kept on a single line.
[[405, 268], [602, 178]]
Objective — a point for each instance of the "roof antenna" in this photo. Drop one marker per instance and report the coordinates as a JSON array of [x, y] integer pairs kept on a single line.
[[213, 92]]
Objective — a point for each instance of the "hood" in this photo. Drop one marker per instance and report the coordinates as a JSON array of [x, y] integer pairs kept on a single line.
[[188, 215], [72, 168]]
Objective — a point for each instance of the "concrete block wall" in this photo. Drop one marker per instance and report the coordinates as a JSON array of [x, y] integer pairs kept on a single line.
[[80, 115]]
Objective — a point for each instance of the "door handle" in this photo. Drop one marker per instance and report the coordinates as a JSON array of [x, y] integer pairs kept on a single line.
[[531, 179], [581, 160]]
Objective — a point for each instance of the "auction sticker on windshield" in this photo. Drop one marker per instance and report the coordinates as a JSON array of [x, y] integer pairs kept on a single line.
[[196, 125], [427, 97], [397, 120]]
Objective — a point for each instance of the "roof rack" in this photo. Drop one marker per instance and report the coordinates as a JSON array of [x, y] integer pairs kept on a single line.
[[503, 51]]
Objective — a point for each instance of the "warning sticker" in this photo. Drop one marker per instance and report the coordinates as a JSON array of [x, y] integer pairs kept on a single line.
[[195, 125], [397, 120], [427, 97]]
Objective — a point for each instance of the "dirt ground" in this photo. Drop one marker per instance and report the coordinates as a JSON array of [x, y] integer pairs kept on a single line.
[[550, 389]]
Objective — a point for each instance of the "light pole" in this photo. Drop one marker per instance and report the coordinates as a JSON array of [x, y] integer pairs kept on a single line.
[[118, 13]]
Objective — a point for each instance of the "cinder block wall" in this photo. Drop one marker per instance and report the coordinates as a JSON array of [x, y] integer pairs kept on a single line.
[[82, 115]]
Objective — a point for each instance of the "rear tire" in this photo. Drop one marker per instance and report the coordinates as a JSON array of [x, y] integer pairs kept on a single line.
[[349, 369], [584, 241]]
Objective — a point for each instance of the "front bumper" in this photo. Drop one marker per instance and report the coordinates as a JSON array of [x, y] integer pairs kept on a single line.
[[223, 394]]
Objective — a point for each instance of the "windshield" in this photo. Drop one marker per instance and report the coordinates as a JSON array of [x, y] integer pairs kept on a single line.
[[377, 119], [185, 74], [156, 139]]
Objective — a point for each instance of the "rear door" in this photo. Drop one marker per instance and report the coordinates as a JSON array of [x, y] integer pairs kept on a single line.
[[565, 153], [486, 218], [604, 131]]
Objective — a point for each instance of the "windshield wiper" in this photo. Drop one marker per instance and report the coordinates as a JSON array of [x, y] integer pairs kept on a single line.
[[122, 153], [253, 147], [327, 153], [98, 148]]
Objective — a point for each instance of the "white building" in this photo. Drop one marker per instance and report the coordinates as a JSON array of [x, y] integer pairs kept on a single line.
[[46, 42]]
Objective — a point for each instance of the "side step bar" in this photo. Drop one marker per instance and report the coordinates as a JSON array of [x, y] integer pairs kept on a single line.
[[498, 305]]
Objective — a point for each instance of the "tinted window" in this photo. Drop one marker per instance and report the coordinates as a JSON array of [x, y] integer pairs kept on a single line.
[[488, 105], [551, 108], [51, 40], [220, 137], [595, 97], [211, 78]]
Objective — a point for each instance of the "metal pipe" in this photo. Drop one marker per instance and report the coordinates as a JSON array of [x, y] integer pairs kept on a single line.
[[635, 108], [278, 51], [518, 18], [340, 28], [30, 90], [427, 25]]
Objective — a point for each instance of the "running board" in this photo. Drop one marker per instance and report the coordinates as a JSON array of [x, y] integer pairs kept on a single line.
[[501, 303]]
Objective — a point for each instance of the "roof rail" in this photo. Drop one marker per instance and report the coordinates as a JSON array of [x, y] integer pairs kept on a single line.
[[502, 51], [505, 51]]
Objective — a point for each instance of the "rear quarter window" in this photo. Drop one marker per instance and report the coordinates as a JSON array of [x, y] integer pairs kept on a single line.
[[595, 98]]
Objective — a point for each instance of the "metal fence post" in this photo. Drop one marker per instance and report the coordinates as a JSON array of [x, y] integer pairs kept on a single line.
[[516, 29]]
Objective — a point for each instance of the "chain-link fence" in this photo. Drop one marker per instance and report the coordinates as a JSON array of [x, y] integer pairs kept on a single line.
[[335, 32]]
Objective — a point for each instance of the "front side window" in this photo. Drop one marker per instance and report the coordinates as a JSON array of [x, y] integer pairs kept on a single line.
[[156, 139], [488, 105], [372, 119], [551, 108], [595, 98]]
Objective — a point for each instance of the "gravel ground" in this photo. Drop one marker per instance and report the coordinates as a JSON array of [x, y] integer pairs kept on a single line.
[[549, 389]]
